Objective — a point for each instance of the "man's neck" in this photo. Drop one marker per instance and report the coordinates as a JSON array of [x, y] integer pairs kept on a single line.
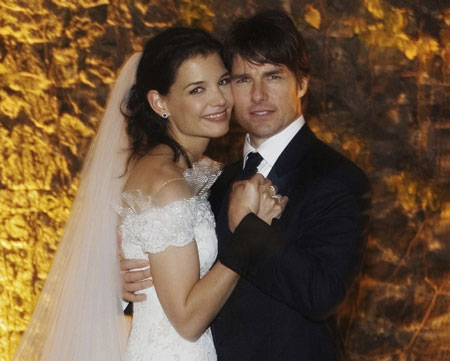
[[272, 147], [256, 142]]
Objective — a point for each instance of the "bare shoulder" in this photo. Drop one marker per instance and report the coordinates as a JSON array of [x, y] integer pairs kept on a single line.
[[157, 175]]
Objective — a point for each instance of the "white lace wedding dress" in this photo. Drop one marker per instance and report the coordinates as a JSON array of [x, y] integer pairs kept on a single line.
[[146, 229]]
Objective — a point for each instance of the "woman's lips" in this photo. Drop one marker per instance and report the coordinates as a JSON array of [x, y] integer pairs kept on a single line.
[[216, 116]]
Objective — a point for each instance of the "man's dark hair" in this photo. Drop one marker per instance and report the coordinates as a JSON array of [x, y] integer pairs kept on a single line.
[[268, 37]]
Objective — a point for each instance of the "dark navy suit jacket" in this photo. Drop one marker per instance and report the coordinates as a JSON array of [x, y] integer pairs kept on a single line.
[[298, 270]]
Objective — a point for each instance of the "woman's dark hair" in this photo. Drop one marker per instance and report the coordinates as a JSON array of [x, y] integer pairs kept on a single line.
[[268, 37], [157, 70]]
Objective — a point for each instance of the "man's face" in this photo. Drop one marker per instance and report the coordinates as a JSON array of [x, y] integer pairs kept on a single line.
[[266, 98]]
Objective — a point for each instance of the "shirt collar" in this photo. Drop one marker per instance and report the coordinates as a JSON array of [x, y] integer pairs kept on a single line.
[[272, 147]]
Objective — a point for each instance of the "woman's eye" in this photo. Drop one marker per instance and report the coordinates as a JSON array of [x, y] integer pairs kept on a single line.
[[196, 90], [224, 81]]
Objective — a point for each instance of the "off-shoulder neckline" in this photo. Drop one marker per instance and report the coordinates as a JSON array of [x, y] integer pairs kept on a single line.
[[203, 167]]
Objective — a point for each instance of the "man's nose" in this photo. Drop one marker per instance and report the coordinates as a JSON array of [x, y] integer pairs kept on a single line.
[[259, 93]]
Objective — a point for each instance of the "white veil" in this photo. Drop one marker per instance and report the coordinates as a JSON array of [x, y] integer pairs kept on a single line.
[[79, 314]]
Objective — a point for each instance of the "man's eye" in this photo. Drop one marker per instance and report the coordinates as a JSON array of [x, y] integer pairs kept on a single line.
[[274, 76], [242, 80]]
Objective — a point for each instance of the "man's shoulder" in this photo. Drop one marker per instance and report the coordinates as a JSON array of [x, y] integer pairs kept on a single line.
[[328, 163]]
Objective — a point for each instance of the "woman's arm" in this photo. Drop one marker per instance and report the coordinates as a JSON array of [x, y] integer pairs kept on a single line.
[[189, 302]]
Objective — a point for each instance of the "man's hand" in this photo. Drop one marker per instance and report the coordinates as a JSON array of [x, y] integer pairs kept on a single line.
[[271, 204], [136, 276]]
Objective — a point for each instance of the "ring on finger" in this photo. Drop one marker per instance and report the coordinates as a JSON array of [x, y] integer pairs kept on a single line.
[[277, 197], [272, 191]]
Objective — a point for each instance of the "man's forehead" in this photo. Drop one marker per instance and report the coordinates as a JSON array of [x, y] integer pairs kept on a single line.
[[241, 65]]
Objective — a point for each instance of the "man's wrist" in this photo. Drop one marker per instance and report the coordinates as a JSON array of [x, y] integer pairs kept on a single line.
[[236, 219]]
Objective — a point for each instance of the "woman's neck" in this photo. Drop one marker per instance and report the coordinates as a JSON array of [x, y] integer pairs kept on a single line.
[[194, 147], [194, 152]]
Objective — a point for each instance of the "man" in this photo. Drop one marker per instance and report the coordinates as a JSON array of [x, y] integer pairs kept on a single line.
[[295, 272]]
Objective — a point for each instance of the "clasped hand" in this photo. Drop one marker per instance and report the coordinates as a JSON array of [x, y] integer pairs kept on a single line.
[[256, 195]]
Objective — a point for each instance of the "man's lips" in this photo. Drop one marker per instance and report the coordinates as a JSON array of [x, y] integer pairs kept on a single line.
[[261, 112]]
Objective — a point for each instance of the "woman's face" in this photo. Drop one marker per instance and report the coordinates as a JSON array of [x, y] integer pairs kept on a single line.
[[199, 102]]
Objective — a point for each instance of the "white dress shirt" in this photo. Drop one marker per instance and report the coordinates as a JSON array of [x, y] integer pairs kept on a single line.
[[272, 147]]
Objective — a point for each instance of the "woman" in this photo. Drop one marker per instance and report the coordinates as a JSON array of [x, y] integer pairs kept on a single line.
[[180, 100]]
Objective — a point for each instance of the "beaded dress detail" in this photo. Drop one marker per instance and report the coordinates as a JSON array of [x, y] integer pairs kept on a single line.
[[147, 228]]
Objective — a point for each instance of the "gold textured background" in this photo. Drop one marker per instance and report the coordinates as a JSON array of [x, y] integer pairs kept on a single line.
[[379, 94]]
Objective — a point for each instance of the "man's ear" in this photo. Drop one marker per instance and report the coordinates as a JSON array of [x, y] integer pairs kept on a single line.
[[303, 86], [156, 101]]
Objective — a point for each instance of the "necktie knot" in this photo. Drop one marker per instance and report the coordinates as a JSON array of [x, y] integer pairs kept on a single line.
[[251, 165]]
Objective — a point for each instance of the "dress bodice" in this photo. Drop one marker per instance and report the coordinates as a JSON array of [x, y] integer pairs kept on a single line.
[[146, 228]]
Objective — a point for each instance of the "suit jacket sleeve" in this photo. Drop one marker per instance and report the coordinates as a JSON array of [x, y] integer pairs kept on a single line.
[[311, 271]]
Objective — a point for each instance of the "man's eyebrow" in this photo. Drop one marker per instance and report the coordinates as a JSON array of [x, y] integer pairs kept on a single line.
[[274, 72], [238, 76]]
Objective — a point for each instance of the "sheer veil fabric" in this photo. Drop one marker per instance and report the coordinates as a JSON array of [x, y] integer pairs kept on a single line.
[[79, 314]]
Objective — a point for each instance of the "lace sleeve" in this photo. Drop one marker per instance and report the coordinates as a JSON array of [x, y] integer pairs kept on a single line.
[[172, 225], [158, 222]]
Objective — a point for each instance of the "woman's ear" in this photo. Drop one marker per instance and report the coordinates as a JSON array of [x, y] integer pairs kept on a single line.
[[156, 101]]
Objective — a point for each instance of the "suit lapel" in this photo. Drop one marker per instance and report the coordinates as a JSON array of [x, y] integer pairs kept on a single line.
[[287, 169]]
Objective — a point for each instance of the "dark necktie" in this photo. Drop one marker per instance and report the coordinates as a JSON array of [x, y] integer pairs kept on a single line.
[[253, 160]]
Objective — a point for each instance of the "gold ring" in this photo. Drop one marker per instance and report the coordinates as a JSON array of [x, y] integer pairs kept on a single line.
[[273, 191], [277, 197]]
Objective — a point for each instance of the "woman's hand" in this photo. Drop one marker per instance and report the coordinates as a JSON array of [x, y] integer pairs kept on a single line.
[[254, 196]]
